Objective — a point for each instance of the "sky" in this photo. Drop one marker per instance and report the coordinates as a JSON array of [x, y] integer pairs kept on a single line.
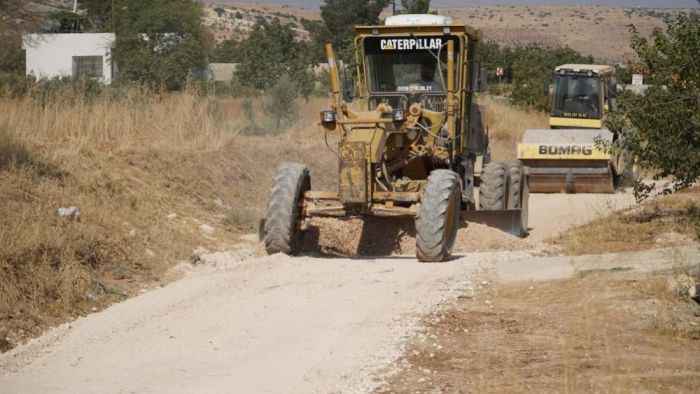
[[314, 4]]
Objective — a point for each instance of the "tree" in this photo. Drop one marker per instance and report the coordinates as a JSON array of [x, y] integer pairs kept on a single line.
[[415, 6], [271, 51], [319, 33], [15, 18], [99, 13], [159, 41], [227, 52], [661, 127], [532, 69], [341, 17]]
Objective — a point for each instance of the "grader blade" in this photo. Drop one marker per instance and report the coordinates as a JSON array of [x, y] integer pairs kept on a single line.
[[509, 221]]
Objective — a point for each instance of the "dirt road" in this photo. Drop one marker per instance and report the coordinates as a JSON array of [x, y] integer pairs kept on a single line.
[[274, 324]]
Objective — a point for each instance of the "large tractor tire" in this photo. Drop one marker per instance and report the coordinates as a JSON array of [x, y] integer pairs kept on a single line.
[[494, 187], [516, 181], [282, 233], [518, 193], [438, 220]]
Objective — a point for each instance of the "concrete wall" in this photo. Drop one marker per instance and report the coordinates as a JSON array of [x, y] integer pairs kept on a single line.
[[222, 72], [51, 55]]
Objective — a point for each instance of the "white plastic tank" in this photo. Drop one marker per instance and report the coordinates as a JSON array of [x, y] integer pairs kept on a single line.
[[417, 20]]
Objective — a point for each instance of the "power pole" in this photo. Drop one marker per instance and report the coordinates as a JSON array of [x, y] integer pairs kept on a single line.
[[393, 7]]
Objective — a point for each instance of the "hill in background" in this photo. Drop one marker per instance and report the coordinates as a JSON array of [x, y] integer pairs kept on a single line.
[[600, 31]]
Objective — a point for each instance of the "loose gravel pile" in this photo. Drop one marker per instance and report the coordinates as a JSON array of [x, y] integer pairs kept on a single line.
[[396, 236]]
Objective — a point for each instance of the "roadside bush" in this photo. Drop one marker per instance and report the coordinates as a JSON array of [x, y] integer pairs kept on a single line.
[[661, 127], [270, 51], [278, 102]]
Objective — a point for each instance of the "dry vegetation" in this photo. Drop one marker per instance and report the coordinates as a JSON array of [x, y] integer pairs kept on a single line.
[[507, 124], [235, 22], [667, 221], [605, 331], [154, 176], [591, 30]]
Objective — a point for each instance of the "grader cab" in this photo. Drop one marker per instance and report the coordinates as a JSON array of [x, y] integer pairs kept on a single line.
[[417, 147]]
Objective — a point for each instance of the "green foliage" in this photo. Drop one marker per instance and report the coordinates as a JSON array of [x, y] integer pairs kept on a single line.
[[279, 102], [70, 22], [227, 52], [527, 68], [12, 59], [319, 33], [661, 127], [271, 51], [13, 18], [340, 18], [278, 105], [159, 42], [533, 68], [624, 75], [99, 13], [415, 6]]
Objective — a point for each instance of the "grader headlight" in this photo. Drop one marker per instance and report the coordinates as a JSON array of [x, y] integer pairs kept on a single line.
[[399, 115], [327, 117]]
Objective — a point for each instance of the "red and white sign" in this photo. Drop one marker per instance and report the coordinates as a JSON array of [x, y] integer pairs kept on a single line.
[[500, 72]]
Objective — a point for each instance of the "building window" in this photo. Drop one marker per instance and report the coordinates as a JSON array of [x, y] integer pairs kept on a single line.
[[87, 66]]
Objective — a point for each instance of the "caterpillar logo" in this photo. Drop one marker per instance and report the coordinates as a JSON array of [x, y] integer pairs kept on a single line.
[[566, 150], [408, 44]]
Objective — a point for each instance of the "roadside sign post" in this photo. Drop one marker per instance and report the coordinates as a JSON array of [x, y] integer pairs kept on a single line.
[[500, 72]]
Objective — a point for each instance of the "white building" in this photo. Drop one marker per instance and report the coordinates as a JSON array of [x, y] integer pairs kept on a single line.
[[70, 55]]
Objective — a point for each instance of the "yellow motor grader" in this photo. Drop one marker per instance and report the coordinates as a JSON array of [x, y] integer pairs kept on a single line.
[[417, 147]]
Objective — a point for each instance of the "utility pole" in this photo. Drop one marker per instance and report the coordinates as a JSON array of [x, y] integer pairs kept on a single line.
[[393, 7], [75, 6]]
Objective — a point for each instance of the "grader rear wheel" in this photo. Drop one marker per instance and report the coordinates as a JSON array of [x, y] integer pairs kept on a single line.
[[282, 232], [438, 221], [518, 193], [494, 187]]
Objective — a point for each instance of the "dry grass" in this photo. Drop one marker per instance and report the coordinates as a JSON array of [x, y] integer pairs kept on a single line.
[[151, 173], [662, 222], [147, 171], [507, 124], [601, 332]]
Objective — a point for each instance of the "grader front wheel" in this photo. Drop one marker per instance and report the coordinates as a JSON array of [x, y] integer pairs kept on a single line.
[[282, 233], [438, 220]]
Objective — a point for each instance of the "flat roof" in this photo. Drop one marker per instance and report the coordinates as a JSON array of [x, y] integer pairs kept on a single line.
[[596, 68]]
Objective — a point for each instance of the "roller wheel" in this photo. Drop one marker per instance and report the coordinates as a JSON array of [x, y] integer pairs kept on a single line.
[[282, 232], [518, 193], [494, 187], [438, 220], [628, 171]]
